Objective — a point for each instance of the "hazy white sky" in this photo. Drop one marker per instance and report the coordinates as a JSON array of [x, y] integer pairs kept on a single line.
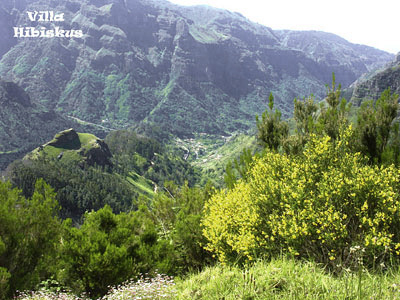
[[374, 23]]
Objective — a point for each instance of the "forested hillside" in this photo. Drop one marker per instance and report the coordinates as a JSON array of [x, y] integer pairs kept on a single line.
[[88, 173], [23, 124]]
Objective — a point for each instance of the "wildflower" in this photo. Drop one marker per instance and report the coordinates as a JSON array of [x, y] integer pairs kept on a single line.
[[159, 287]]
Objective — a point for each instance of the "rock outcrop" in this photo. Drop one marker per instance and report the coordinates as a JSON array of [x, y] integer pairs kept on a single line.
[[372, 88], [98, 154], [67, 139]]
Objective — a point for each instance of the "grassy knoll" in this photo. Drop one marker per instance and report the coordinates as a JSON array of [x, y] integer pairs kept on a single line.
[[69, 147]]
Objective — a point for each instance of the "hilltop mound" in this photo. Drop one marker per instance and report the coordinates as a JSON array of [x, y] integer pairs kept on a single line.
[[71, 146]]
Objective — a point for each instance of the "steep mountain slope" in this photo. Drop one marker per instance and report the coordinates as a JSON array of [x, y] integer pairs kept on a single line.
[[342, 57], [23, 125], [372, 88], [188, 69]]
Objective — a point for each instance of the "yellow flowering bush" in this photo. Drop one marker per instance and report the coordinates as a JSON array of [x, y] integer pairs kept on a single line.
[[317, 205]]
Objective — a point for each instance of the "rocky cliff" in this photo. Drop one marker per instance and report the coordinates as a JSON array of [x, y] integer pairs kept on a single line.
[[372, 88]]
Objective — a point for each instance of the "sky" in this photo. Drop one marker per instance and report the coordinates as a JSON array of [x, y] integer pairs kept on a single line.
[[373, 23]]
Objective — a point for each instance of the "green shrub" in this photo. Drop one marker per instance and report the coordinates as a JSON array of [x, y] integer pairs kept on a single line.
[[108, 249], [177, 212], [29, 233], [319, 205], [4, 286]]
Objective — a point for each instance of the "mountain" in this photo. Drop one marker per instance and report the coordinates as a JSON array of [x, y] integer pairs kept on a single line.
[[373, 86], [187, 69]]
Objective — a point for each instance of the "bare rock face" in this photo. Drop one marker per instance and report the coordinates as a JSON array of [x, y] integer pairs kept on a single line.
[[67, 139], [372, 88], [98, 154]]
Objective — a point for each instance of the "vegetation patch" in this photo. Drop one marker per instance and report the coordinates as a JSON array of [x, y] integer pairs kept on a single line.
[[144, 185]]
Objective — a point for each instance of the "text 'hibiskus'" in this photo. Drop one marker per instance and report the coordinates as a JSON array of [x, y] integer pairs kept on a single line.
[[47, 17]]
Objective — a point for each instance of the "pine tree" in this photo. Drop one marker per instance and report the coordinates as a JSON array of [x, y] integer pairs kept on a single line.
[[272, 131]]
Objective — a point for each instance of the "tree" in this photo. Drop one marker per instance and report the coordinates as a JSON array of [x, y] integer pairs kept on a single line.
[[29, 234], [305, 115], [78, 190], [178, 211], [334, 116], [109, 249], [377, 133], [238, 168], [4, 275], [272, 131]]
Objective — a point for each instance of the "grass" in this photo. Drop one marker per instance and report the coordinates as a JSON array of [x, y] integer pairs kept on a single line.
[[232, 149], [10, 152], [211, 153], [70, 151], [287, 279], [86, 138], [277, 279], [142, 184], [207, 35], [68, 155]]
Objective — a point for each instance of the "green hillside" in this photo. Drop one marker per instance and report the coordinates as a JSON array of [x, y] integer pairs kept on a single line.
[[88, 173], [212, 153]]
